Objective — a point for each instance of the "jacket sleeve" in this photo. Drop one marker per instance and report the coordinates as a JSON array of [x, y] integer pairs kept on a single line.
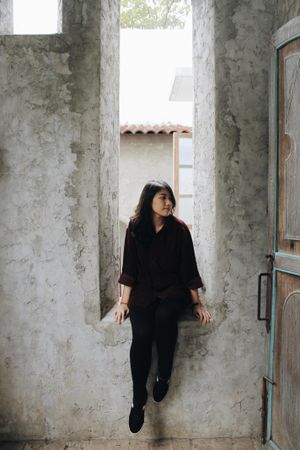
[[188, 266], [129, 267]]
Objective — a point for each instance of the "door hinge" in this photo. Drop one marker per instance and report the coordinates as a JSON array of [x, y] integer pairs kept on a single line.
[[264, 413]]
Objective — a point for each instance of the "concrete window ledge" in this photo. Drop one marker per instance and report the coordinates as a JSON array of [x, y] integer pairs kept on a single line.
[[186, 321], [242, 443]]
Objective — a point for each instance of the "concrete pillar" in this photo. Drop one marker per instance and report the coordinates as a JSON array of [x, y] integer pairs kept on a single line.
[[6, 16], [96, 36], [231, 64], [109, 153], [59, 16], [204, 142]]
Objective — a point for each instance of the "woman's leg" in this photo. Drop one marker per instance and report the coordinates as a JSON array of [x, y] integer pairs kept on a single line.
[[166, 331], [142, 323]]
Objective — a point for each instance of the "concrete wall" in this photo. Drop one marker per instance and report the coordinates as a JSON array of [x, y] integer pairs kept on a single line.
[[285, 10], [230, 136], [109, 149], [204, 230], [6, 16], [59, 15], [64, 373], [53, 370]]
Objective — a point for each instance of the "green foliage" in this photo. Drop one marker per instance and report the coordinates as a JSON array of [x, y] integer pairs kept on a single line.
[[150, 14]]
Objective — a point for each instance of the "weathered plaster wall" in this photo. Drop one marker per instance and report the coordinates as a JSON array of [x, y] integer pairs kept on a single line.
[[53, 366], [6, 16], [285, 10], [109, 152], [47, 263], [59, 15], [232, 50], [64, 373], [204, 142]]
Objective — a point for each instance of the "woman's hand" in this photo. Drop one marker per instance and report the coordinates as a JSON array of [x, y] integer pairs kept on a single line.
[[121, 313], [202, 314]]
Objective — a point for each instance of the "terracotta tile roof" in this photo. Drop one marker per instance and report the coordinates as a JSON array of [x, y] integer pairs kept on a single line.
[[163, 128]]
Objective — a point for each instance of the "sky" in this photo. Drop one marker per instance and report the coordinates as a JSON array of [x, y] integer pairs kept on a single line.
[[148, 64], [148, 61], [35, 16]]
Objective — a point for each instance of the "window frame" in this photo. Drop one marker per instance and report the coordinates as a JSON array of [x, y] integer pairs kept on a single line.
[[176, 167]]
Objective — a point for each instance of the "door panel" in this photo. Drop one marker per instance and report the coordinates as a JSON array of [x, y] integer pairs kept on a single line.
[[289, 155], [283, 430], [286, 391]]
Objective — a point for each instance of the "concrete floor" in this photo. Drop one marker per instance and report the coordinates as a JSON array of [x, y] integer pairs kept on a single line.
[[135, 444]]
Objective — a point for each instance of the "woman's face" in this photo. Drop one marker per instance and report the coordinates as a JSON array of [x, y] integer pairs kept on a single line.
[[162, 203]]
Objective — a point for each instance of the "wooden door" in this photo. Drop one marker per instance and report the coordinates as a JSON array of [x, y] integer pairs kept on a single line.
[[283, 431]]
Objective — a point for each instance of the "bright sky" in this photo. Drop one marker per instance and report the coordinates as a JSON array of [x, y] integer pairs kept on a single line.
[[35, 16], [148, 64], [147, 68]]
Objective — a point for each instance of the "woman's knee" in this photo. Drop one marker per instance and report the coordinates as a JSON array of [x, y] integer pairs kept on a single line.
[[166, 313], [142, 333]]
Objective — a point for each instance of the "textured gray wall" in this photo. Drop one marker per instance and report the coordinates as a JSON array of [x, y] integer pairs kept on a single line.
[[204, 142], [6, 16], [59, 15], [49, 229], [230, 136], [285, 10], [65, 373], [109, 152], [50, 140]]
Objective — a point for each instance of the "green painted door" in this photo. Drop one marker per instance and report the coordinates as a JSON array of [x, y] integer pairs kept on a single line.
[[283, 426]]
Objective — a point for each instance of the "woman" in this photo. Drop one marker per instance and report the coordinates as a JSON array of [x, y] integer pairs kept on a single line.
[[160, 279]]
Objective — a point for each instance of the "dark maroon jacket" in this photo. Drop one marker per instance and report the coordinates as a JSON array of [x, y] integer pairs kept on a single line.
[[166, 268]]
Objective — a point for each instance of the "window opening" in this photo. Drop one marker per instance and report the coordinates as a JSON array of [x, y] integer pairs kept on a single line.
[[37, 16], [155, 100]]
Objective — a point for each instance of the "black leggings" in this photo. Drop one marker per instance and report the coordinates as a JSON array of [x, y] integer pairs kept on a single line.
[[159, 321]]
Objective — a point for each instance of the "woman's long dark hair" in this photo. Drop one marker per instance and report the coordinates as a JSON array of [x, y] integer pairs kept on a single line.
[[142, 223]]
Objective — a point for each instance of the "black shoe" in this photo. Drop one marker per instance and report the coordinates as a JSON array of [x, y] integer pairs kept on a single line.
[[136, 418], [160, 388]]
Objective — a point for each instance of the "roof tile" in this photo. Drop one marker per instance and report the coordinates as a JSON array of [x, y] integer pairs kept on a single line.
[[163, 128]]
